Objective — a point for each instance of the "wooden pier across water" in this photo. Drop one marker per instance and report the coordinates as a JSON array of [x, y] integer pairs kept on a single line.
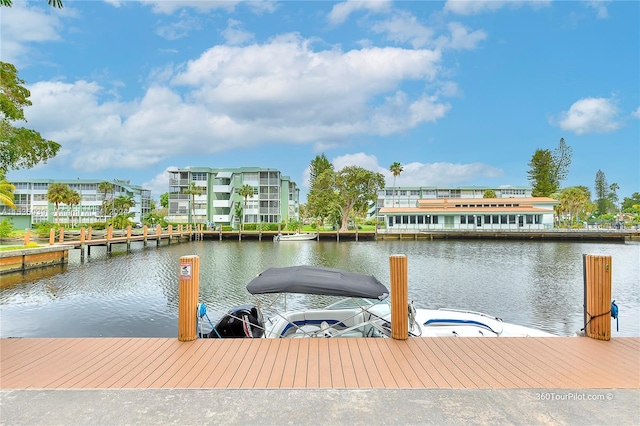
[[347, 363]]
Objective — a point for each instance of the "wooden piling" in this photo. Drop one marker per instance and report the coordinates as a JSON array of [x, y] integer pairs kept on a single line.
[[597, 296], [61, 236], [399, 297], [52, 236], [82, 239], [27, 236], [188, 293]]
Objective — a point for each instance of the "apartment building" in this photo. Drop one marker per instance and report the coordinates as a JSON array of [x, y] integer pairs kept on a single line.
[[30, 198], [275, 196]]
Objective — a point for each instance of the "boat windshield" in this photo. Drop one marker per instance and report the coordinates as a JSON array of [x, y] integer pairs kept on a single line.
[[355, 302]]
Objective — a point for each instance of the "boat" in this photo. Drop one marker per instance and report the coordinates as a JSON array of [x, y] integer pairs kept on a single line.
[[363, 310], [296, 237]]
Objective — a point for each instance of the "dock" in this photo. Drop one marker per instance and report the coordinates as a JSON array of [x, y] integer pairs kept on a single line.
[[348, 381], [347, 363]]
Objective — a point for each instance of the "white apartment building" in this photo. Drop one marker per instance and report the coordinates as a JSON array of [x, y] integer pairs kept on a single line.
[[275, 197], [30, 198]]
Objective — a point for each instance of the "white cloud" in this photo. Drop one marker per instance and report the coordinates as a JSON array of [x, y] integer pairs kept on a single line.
[[168, 7], [589, 115], [159, 183], [461, 38], [282, 92], [404, 27], [235, 35], [180, 28], [636, 113], [600, 6], [474, 7], [260, 7], [417, 174], [114, 3], [341, 11], [23, 25]]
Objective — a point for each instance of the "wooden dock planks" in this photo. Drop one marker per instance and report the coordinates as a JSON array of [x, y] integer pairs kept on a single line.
[[416, 363]]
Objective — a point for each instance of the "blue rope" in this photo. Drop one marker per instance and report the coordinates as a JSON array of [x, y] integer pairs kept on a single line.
[[614, 312], [202, 312]]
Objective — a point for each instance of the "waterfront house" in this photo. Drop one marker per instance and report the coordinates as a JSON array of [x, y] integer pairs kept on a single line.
[[526, 213]]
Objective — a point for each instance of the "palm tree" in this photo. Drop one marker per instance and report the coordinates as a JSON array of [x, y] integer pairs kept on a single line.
[[193, 190], [396, 169], [106, 188], [57, 194], [245, 191], [6, 193], [73, 198]]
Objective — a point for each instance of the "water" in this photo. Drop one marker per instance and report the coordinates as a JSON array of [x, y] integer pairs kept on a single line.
[[532, 283]]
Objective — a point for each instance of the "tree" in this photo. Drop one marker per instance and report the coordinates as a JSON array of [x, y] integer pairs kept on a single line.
[[123, 204], [164, 200], [245, 191], [601, 190], [19, 147], [193, 190], [6, 192], [613, 194], [396, 169], [541, 174], [107, 205], [73, 198], [561, 162], [356, 188], [321, 188], [57, 194], [53, 3], [548, 169], [237, 208], [489, 193], [572, 201], [631, 204]]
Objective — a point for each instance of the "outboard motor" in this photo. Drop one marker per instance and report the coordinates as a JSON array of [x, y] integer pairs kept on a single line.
[[241, 321]]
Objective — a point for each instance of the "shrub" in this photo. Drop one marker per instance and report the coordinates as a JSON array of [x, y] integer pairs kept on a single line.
[[227, 228], [6, 228], [43, 229], [250, 226]]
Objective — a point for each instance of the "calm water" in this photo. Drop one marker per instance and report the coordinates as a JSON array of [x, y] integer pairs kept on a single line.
[[537, 284]]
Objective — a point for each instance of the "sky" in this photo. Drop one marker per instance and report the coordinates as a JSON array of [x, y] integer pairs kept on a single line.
[[460, 93]]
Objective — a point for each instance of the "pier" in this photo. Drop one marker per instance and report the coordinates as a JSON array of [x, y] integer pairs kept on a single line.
[[348, 363]]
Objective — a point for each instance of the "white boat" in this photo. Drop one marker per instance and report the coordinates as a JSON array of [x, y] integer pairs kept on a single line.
[[295, 237], [363, 310]]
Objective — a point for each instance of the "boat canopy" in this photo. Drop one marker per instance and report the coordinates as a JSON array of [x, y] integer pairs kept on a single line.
[[317, 280]]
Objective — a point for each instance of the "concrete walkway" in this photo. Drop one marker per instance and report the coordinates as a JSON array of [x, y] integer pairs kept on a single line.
[[320, 407]]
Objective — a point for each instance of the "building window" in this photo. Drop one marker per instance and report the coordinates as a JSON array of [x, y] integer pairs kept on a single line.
[[512, 219], [463, 220], [412, 220]]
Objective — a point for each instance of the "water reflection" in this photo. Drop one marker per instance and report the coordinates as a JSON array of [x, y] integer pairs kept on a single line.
[[537, 284]]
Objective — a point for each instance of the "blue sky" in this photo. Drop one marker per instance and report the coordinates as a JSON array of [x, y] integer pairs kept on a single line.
[[460, 93]]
